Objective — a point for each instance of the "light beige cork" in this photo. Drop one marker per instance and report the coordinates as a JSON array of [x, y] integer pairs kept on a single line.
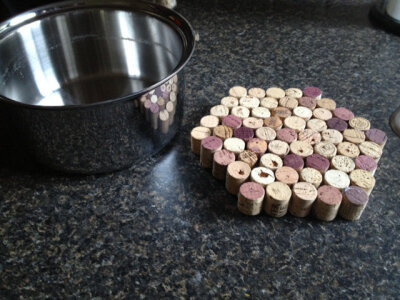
[[229, 102], [220, 111], [312, 176], [348, 149], [240, 111], [354, 136], [327, 103], [269, 102], [310, 136], [253, 123], [260, 112], [237, 91], [164, 122], [325, 149], [234, 145], [294, 93], [322, 114], [249, 157], [301, 148], [302, 112], [249, 102], [363, 179], [278, 195], [236, 173], [332, 135], [295, 123], [266, 133], [257, 92], [196, 136], [262, 175], [317, 125], [288, 102], [337, 179], [371, 149], [303, 197], [279, 148], [343, 163], [360, 123], [209, 121], [271, 161], [275, 92]]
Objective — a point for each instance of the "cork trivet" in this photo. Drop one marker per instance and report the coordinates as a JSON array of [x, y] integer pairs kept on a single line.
[[260, 112], [281, 112], [295, 123], [238, 91], [354, 202], [209, 121], [220, 111], [257, 92], [234, 145], [253, 123], [249, 102], [232, 121], [271, 161], [236, 173], [240, 111], [332, 135], [371, 149], [363, 179], [304, 195], [327, 103], [336, 123], [348, 149], [325, 149], [312, 176], [249, 157], [287, 175], [277, 199], [337, 179], [312, 92], [376, 136], [279, 148], [343, 113], [275, 92], [230, 102], [164, 121], [354, 136], [288, 102], [266, 133], [287, 135], [294, 93], [269, 102], [360, 123], [308, 102], [310, 136], [209, 146], [343, 163], [317, 125], [318, 162], [262, 175], [223, 132], [322, 114], [250, 198], [327, 205], [366, 163], [244, 133], [258, 146], [301, 148], [196, 136], [221, 161], [273, 122], [302, 112], [294, 161]]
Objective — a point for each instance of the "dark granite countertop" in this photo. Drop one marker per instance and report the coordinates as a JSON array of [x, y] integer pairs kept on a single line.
[[166, 227]]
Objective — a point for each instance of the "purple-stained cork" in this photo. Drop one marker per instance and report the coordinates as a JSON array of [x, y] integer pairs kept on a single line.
[[376, 136], [244, 133], [294, 161], [338, 124], [154, 108], [343, 113], [308, 102], [287, 135], [232, 121], [212, 143], [317, 162], [355, 195], [366, 163], [252, 191], [312, 92]]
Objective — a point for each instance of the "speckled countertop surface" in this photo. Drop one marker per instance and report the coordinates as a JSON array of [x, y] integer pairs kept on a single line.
[[165, 227]]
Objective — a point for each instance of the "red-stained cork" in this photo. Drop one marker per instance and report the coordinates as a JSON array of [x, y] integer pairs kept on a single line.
[[287, 135], [343, 113], [356, 195], [232, 121], [329, 195], [317, 162], [376, 136], [252, 190], [294, 161], [224, 157], [212, 143], [338, 124], [244, 133], [308, 102], [366, 163], [312, 92]]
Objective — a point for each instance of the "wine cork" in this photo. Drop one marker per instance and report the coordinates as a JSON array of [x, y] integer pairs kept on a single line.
[[377, 136], [343, 113], [196, 136], [173, 96], [287, 175], [310, 136], [155, 111], [318, 162], [147, 105], [234, 145], [275, 92], [221, 160], [244, 133], [273, 122], [360, 123], [302, 112], [236, 174], [262, 176], [327, 103], [257, 92], [232, 121], [312, 176], [338, 124], [161, 103], [277, 199], [271, 161], [250, 198], [209, 146], [229, 102], [332, 135], [312, 92], [209, 121], [288, 102], [153, 98], [240, 111], [348, 149], [223, 132], [302, 149], [354, 136], [366, 163], [281, 112], [327, 205], [164, 122], [325, 149], [322, 114], [220, 111], [253, 123], [269, 102], [287, 135], [266, 133], [337, 179], [249, 157], [371, 149], [354, 202], [296, 123], [317, 125], [143, 99], [258, 146], [279, 148], [170, 107], [260, 112], [308, 102], [363, 179], [238, 92], [294, 161], [249, 102], [294, 93], [343, 163], [304, 195]]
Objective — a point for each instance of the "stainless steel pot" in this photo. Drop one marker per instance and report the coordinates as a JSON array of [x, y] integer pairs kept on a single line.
[[92, 86]]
